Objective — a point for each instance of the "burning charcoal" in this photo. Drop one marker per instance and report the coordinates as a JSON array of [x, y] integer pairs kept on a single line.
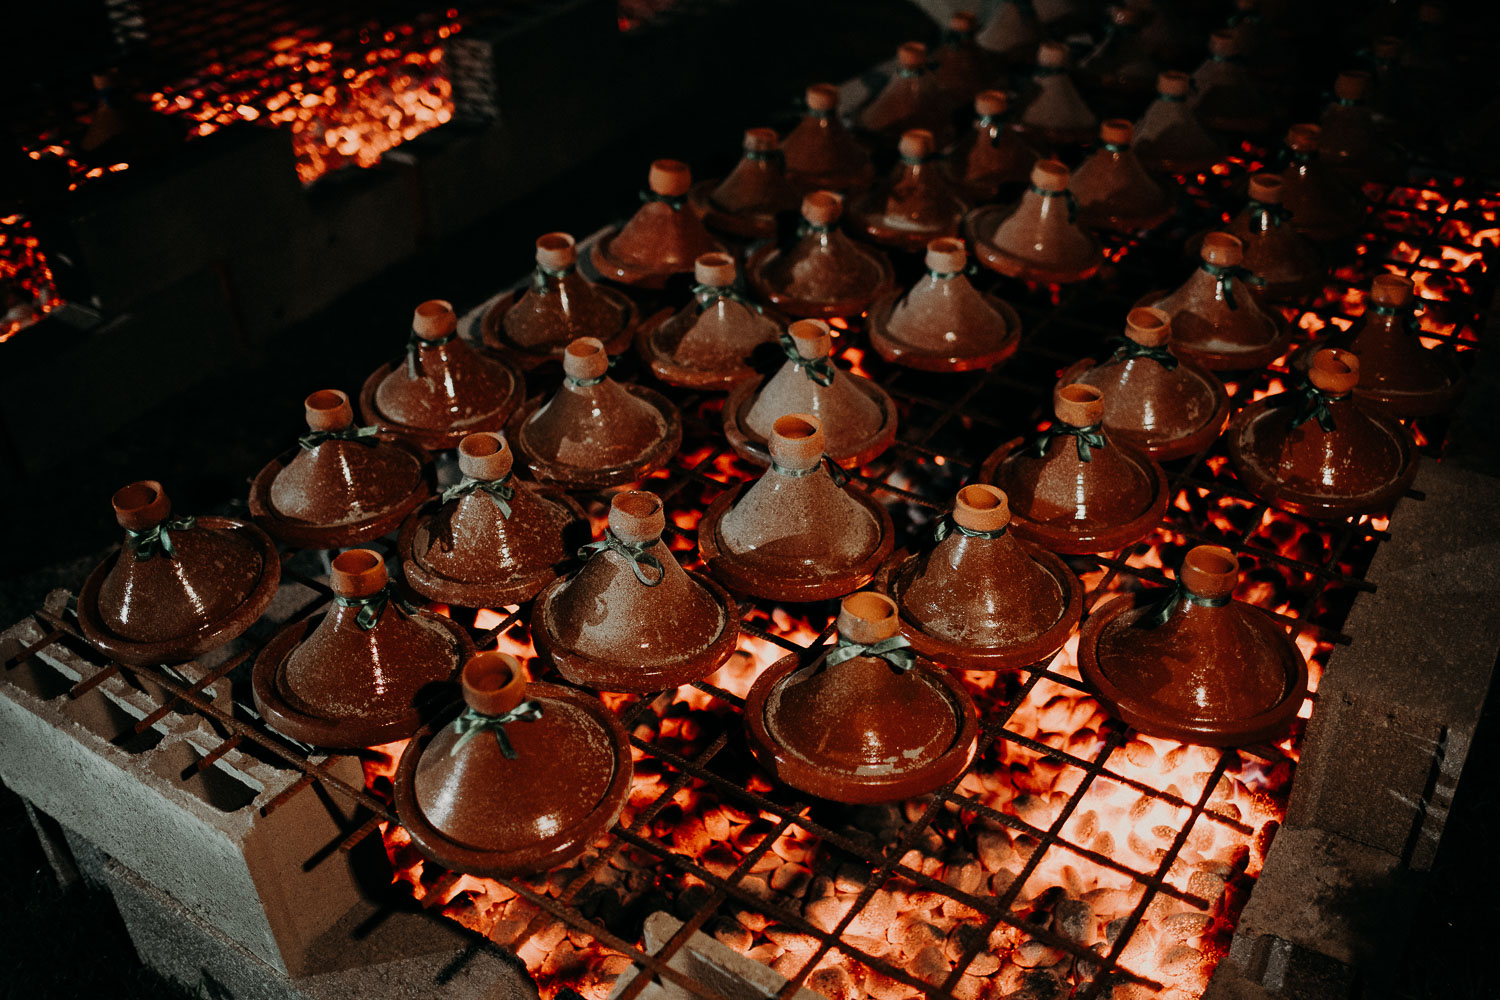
[[1183, 927], [732, 934], [851, 877], [1073, 918], [765, 864], [765, 954], [791, 879], [1034, 954], [833, 982], [995, 851], [825, 914], [720, 860], [716, 822], [930, 964], [821, 887], [965, 877], [1140, 753], [1206, 885], [789, 964], [753, 921], [749, 838], [883, 987], [876, 946], [963, 939], [691, 836], [691, 900], [974, 988], [1001, 881], [880, 910], [756, 885], [791, 940], [1034, 984], [915, 934], [1181, 960], [1104, 844]]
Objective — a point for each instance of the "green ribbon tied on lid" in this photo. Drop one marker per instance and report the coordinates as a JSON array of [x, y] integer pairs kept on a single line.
[[1159, 612], [1088, 438], [1263, 212], [707, 295], [499, 490], [1226, 275], [145, 544], [1314, 406], [471, 723], [415, 345], [1412, 324], [896, 651], [541, 274], [584, 383], [638, 553], [947, 526], [675, 202], [820, 370], [358, 435], [1064, 194], [372, 606], [1126, 349], [836, 472]]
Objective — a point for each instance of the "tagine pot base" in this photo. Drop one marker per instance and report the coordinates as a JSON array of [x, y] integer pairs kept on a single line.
[[572, 477], [752, 447], [434, 440], [492, 330], [1191, 444], [987, 219], [303, 535], [910, 356]]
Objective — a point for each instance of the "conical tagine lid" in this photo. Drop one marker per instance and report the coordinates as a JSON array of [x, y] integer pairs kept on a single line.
[[490, 539], [943, 323], [1286, 261], [1073, 489], [916, 203], [820, 153], [746, 202], [557, 307], [1012, 32], [962, 66], [179, 586], [523, 780], [1351, 142], [910, 99], [1193, 664], [1039, 238], [365, 672], [800, 532], [632, 619], [824, 273], [1169, 138], [664, 236], [1322, 207], [1055, 112], [1113, 189], [992, 154], [708, 343], [1225, 97], [1215, 320], [860, 415], [867, 720], [1318, 451], [980, 599], [595, 431], [1121, 62]]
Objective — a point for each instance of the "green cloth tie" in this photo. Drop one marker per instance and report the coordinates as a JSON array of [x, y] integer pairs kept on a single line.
[[1088, 438], [359, 435], [947, 526], [1128, 349], [638, 553], [145, 544], [415, 345], [896, 651], [707, 295], [820, 370], [471, 723], [372, 607], [499, 490], [1178, 595], [1314, 406], [1065, 194], [1226, 276]]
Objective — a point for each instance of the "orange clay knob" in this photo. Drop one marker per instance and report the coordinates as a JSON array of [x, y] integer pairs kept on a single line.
[[328, 410], [1052, 55], [1304, 138], [434, 319], [1353, 85], [822, 208], [1078, 405], [714, 269], [485, 455], [1266, 189], [1116, 131], [1224, 43], [1209, 571], [556, 251], [991, 103], [1222, 250], [1334, 371], [796, 441], [981, 508], [670, 178], [357, 573], [812, 338], [141, 506], [585, 359], [916, 144], [963, 22], [1391, 290], [493, 683], [637, 516], [867, 618], [822, 97], [1173, 83], [1147, 326], [912, 55], [761, 140], [946, 255], [1050, 175]]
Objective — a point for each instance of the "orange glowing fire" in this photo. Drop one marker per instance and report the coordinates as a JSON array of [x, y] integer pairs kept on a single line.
[[26, 282]]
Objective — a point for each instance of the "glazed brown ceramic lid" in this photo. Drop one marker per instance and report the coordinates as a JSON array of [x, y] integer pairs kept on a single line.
[[595, 431], [1351, 140], [824, 273], [632, 619], [363, 673], [746, 202], [910, 99], [1169, 137], [1012, 32], [980, 599], [490, 539], [1153, 400], [558, 306], [992, 153], [943, 323], [1191, 663], [1285, 260], [867, 720], [1075, 490], [523, 780], [820, 153], [1225, 98], [179, 586], [962, 66], [915, 203], [796, 533], [1215, 320], [708, 343], [1056, 112], [860, 415], [1039, 238], [1322, 207], [1318, 451], [1122, 61], [664, 236], [1113, 189]]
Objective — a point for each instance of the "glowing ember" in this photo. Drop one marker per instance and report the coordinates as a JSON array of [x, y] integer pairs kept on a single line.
[[26, 283]]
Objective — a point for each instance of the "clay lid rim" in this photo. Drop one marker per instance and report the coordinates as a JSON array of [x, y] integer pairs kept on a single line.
[[304, 534], [546, 471], [753, 448], [369, 408], [807, 309], [880, 313], [492, 325]]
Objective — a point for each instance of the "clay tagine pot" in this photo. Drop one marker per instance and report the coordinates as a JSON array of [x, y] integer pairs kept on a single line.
[[962, 66], [1215, 320], [1322, 208], [345, 484], [1318, 451], [943, 323], [664, 236], [1286, 261], [1154, 401], [1012, 33], [521, 780], [820, 153], [1073, 489], [1169, 138], [1226, 98], [916, 202], [859, 414], [632, 619], [1351, 142], [491, 539], [745, 203], [979, 599], [866, 720], [707, 344], [910, 99], [797, 533], [1112, 187], [1121, 63], [366, 672], [1055, 112], [443, 389], [536, 324], [1038, 238], [824, 273], [992, 154], [1191, 663], [1397, 374], [178, 586], [594, 432]]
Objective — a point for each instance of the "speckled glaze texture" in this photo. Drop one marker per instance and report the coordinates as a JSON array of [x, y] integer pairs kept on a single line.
[[1288, 262], [1012, 33], [1122, 62], [962, 66], [915, 203], [745, 203], [1115, 192], [991, 154], [1352, 142], [824, 273], [1169, 138], [1323, 208], [1225, 98], [660, 240], [1205, 328], [910, 99], [708, 342], [942, 323], [820, 153], [1053, 109], [1036, 239]]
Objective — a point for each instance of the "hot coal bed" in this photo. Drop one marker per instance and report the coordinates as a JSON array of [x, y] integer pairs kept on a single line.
[[1072, 857]]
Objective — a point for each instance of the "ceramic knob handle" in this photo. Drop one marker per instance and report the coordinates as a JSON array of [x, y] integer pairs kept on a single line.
[[493, 682], [357, 573], [1052, 55], [1352, 85], [485, 456], [912, 55], [714, 269], [556, 251], [916, 144], [433, 319], [760, 140], [670, 178], [946, 255], [141, 506], [637, 516], [585, 358], [1147, 326], [822, 208], [1173, 83], [1225, 42], [1391, 290], [991, 102], [1334, 371], [328, 410], [796, 441], [1050, 175], [981, 507], [822, 97], [1116, 131], [812, 337], [1266, 188], [963, 22], [1078, 405], [1304, 138], [1222, 250], [868, 617], [1209, 571]]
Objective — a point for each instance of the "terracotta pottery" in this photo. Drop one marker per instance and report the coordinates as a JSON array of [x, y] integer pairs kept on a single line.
[[707, 344], [1121, 63], [866, 720], [521, 780], [1012, 32], [664, 236], [632, 619], [942, 323], [1074, 489], [916, 202], [992, 154], [860, 415], [366, 672], [1318, 451], [820, 153], [345, 485], [963, 68], [1191, 663], [1287, 262], [910, 99], [824, 273], [1351, 142], [1154, 402], [1215, 320], [1169, 138], [491, 539], [1397, 375], [536, 325], [1225, 97], [443, 389], [1038, 238], [979, 599], [745, 203], [1322, 208], [594, 432], [796, 533], [177, 587], [1054, 111], [1112, 187]]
